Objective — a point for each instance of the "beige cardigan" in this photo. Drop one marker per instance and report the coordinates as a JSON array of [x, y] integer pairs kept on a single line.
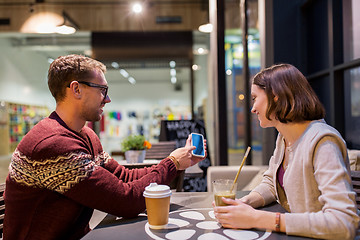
[[317, 184]]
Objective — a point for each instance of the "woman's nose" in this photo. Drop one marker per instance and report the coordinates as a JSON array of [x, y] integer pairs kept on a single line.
[[253, 109]]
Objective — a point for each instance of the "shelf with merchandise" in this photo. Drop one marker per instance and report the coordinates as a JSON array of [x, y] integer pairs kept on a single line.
[[21, 119]]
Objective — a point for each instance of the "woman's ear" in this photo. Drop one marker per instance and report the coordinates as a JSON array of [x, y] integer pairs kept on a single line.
[[276, 98]]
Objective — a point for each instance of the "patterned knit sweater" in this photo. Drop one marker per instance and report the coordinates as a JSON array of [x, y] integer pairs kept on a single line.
[[58, 176]]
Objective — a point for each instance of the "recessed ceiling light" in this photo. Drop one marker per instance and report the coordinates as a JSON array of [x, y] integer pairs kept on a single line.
[[195, 67], [124, 73], [132, 80], [201, 51], [115, 65], [137, 8], [172, 64]]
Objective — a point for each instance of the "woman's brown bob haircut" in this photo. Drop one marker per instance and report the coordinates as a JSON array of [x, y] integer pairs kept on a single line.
[[290, 96], [65, 69]]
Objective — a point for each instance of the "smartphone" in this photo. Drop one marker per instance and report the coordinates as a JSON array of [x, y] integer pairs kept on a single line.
[[197, 140]]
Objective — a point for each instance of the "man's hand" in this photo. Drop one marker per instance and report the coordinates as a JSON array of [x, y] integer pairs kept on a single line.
[[184, 156]]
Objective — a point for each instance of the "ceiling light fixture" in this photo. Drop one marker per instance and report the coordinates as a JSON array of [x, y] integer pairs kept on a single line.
[[45, 28], [201, 51], [206, 28], [132, 80], [173, 78], [195, 67], [68, 26], [124, 73], [137, 8], [115, 65], [172, 64]]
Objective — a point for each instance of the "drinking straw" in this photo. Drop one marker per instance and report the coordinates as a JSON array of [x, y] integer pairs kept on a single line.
[[242, 163]]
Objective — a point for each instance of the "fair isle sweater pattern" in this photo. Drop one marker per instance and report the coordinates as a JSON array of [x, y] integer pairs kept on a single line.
[[59, 174]]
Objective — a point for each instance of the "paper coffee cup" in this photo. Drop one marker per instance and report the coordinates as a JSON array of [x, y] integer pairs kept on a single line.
[[157, 200]]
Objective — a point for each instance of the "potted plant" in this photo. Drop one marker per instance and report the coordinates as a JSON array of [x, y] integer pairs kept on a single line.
[[135, 147]]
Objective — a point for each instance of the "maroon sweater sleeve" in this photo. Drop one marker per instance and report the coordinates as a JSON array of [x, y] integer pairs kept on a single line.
[[75, 165], [58, 176], [117, 190]]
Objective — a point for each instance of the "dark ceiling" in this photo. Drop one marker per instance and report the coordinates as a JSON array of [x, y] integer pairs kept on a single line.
[[131, 46]]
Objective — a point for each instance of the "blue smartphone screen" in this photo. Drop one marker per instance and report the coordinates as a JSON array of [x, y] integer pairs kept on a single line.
[[198, 142]]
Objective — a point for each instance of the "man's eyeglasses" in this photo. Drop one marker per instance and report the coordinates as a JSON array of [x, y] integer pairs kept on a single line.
[[103, 88]]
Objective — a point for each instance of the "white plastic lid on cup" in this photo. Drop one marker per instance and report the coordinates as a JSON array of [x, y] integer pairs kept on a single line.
[[157, 191]]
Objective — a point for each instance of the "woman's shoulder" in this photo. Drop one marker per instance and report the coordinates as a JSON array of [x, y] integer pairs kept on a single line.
[[319, 130], [320, 127]]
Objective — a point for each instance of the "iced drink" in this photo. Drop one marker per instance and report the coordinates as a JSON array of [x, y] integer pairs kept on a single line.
[[222, 188]]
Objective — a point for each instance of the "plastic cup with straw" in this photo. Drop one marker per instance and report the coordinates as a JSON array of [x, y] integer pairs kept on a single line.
[[224, 187], [242, 164]]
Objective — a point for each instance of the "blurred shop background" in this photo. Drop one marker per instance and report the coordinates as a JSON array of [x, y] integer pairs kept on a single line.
[[160, 66]]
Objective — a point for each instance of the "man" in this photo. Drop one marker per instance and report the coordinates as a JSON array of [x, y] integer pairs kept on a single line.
[[59, 172]]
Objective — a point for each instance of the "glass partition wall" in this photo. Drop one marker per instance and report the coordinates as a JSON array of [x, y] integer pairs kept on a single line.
[[160, 89], [235, 80], [351, 32], [332, 62]]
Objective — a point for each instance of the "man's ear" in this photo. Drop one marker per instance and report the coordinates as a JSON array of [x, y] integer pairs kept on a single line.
[[75, 89]]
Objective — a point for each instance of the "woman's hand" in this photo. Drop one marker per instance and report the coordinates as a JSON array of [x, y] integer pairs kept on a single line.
[[241, 215], [237, 215]]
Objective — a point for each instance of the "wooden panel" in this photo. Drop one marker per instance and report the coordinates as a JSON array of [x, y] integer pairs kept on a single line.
[[110, 15], [160, 150], [157, 151]]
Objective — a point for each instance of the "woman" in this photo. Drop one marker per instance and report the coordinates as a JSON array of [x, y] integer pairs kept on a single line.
[[309, 171]]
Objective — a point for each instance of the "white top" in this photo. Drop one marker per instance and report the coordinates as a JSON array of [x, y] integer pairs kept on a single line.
[[157, 191]]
